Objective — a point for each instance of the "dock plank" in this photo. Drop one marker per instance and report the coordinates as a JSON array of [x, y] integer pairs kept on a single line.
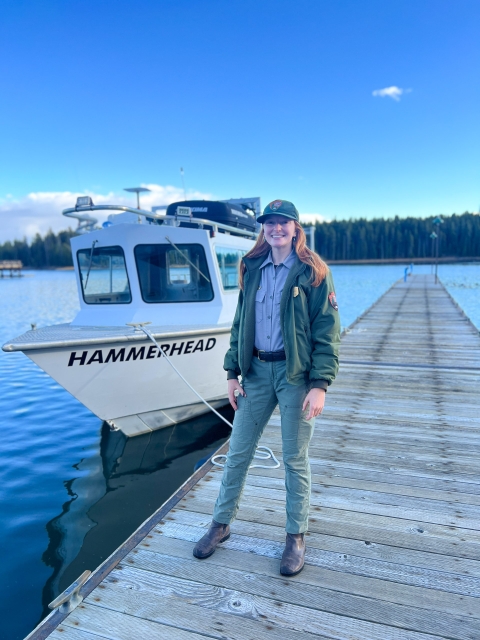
[[392, 487], [340, 544], [435, 511], [264, 509], [74, 634], [393, 548], [122, 625], [357, 565], [143, 611], [234, 614], [415, 536], [249, 595], [420, 597]]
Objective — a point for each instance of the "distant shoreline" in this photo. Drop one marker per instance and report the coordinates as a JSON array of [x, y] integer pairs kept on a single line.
[[446, 260], [371, 261]]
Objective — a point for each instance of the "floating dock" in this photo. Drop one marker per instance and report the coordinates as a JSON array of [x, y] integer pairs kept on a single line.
[[393, 550], [13, 266]]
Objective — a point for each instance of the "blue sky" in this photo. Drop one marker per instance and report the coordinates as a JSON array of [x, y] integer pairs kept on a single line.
[[270, 98]]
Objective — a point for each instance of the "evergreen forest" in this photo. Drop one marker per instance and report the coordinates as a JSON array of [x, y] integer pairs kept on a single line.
[[360, 239], [398, 238], [51, 251]]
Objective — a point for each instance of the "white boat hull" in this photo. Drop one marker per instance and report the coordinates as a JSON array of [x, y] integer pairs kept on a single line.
[[113, 369], [131, 385]]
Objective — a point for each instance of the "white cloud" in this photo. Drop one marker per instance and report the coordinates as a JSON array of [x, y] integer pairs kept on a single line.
[[390, 92], [40, 211], [312, 218]]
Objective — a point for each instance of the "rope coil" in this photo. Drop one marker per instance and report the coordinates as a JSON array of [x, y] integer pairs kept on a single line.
[[261, 453]]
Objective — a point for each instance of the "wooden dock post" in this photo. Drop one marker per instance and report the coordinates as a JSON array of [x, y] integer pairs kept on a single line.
[[393, 550]]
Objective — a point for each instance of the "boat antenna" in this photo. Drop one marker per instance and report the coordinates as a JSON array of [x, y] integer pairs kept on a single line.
[[138, 191], [183, 183]]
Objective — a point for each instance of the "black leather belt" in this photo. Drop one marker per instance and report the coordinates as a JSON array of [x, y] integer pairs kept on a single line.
[[269, 356]]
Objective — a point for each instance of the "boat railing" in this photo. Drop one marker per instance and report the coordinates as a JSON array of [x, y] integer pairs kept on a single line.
[[175, 221]]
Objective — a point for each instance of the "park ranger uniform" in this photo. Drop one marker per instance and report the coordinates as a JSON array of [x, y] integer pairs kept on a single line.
[[279, 315], [284, 341]]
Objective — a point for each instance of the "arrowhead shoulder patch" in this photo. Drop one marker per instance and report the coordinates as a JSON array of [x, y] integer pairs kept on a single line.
[[333, 300]]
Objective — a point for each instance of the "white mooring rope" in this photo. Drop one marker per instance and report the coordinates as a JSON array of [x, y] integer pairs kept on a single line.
[[261, 453]]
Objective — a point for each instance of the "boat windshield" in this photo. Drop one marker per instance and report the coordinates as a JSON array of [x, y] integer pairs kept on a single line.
[[103, 275], [170, 273]]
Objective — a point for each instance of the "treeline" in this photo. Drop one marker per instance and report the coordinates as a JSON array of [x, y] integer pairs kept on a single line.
[[409, 238], [401, 238], [53, 250]]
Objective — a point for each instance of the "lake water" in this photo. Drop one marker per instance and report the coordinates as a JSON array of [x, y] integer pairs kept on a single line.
[[71, 491]]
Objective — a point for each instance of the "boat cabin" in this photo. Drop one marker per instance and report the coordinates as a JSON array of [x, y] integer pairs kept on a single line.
[[172, 268]]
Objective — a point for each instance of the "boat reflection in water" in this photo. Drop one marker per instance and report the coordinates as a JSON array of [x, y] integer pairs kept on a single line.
[[121, 487]]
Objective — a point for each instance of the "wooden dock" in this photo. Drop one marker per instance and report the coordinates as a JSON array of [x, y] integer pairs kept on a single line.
[[13, 266], [393, 551]]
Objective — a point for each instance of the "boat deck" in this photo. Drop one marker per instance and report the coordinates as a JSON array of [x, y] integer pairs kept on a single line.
[[66, 335], [393, 551]]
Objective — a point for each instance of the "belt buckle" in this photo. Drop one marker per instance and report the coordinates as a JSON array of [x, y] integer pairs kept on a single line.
[[258, 354]]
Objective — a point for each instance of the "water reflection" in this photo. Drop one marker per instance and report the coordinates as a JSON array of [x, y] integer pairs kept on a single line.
[[120, 488]]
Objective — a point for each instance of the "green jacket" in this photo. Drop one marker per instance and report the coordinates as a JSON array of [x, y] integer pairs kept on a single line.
[[310, 326]]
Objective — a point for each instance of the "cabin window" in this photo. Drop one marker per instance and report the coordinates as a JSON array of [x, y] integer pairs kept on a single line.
[[229, 264], [103, 275], [173, 274]]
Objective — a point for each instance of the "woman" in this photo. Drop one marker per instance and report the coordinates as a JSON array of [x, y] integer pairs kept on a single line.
[[284, 344]]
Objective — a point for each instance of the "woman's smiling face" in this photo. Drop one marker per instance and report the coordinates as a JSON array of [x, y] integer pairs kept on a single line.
[[279, 231]]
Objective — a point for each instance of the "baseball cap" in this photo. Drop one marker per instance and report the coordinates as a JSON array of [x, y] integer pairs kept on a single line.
[[280, 208]]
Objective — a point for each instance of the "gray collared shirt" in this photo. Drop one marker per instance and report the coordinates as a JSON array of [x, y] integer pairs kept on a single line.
[[268, 333]]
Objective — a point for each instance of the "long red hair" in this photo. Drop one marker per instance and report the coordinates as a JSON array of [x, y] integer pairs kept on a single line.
[[305, 255]]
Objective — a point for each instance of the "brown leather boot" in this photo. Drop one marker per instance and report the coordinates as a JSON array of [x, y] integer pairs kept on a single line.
[[294, 555], [217, 533]]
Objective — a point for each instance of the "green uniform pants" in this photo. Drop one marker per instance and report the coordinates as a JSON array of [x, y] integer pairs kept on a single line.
[[266, 386]]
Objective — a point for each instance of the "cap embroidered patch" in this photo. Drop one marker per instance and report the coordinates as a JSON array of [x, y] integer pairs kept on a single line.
[[333, 300], [276, 204]]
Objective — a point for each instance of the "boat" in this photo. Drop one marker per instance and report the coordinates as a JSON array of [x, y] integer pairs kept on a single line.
[[175, 268]]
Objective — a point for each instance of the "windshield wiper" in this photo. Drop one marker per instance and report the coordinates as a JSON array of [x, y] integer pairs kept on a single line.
[[186, 258], [90, 263]]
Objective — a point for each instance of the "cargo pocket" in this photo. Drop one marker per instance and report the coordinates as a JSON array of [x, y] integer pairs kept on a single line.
[[296, 430], [259, 305], [239, 417], [243, 420]]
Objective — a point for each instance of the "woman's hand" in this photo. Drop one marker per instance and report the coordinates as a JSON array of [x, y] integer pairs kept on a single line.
[[234, 385], [316, 399]]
